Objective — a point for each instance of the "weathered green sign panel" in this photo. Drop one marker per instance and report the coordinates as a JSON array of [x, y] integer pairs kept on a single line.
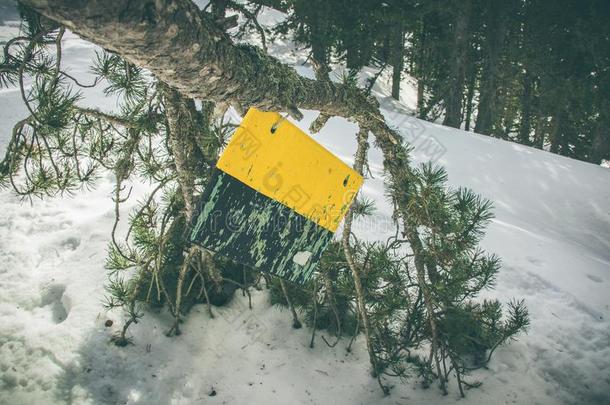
[[238, 222]]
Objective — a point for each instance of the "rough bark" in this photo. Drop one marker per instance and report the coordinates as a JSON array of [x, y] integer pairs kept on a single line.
[[183, 47], [183, 132], [179, 123]]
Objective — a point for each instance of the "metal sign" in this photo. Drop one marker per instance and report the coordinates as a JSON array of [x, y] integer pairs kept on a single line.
[[275, 198]]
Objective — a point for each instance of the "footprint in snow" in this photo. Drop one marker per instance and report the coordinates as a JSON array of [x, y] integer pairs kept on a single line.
[[534, 261], [595, 278], [71, 243], [51, 296]]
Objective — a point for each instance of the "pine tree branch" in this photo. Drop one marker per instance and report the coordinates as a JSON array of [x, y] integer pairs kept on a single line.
[[181, 134], [251, 18], [185, 49], [359, 162], [109, 118]]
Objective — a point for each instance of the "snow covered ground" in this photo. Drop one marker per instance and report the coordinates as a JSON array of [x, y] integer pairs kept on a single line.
[[552, 231]]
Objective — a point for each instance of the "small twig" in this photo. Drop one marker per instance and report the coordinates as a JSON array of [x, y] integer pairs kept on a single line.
[[296, 324], [315, 312], [349, 346], [202, 259], [175, 329], [373, 80], [79, 84]]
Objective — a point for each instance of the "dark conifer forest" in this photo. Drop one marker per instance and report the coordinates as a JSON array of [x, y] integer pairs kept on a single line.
[[536, 72]]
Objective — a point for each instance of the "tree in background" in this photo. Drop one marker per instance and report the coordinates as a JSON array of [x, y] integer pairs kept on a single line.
[[528, 71]]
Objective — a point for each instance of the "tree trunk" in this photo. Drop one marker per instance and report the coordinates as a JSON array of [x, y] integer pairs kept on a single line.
[[600, 148], [525, 126], [493, 46], [181, 136], [352, 56], [421, 72], [319, 36], [397, 55], [539, 133], [184, 129], [470, 96], [421, 112], [319, 55], [458, 62], [555, 133]]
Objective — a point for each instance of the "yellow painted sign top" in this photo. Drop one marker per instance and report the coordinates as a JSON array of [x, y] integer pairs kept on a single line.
[[290, 167]]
